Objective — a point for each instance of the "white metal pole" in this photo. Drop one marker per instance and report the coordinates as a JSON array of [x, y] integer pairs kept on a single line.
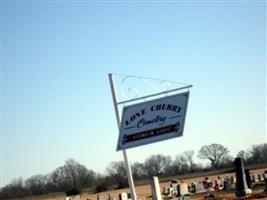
[[126, 162]]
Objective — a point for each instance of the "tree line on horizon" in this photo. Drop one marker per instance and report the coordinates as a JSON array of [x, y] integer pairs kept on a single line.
[[73, 177]]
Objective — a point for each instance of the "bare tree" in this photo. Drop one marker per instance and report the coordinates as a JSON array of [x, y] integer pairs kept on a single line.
[[58, 179], [184, 162], [88, 179], [138, 170], [72, 175], [227, 161], [180, 164], [13, 190], [35, 184], [118, 172], [214, 153], [77, 175], [157, 165], [258, 154], [103, 183]]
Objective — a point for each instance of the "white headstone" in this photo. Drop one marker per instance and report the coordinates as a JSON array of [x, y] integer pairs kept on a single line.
[[210, 183], [170, 192], [164, 190], [200, 187], [261, 178], [123, 196], [99, 197], [111, 196], [220, 182], [77, 197], [183, 189], [156, 195], [174, 186]]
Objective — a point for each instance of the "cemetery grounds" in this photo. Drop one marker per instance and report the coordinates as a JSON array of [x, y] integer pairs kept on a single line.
[[144, 190]]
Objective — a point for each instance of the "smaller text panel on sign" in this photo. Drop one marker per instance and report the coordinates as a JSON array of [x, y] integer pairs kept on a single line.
[[153, 121]]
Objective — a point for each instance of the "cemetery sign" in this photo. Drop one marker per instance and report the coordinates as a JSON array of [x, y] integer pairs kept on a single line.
[[153, 121]]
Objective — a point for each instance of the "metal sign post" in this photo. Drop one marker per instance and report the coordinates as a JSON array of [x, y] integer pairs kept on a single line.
[[150, 118], [126, 162]]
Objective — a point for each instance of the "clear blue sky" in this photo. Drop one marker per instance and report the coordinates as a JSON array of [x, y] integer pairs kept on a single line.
[[56, 97]]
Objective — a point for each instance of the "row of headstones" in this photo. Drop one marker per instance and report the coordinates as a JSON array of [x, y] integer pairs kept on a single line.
[[183, 189], [76, 197], [256, 179], [253, 179], [227, 183], [122, 196]]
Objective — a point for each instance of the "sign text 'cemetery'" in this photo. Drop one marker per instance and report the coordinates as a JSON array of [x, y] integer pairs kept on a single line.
[[153, 121]]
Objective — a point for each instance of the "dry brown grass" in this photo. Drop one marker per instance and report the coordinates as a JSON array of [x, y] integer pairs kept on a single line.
[[145, 190]]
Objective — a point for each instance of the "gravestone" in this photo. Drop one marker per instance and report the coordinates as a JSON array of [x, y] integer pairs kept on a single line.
[[177, 191], [164, 190], [100, 197], [170, 192], [219, 183], [210, 183], [181, 198], [205, 182], [77, 197], [265, 180], [200, 187], [211, 195], [155, 188], [189, 189], [253, 178], [241, 183], [193, 188], [123, 196], [259, 177], [248, 179], [256, 179], [233, 180], [111, 196], [227, 184], [129, 196], [174, 185], [183, 189]]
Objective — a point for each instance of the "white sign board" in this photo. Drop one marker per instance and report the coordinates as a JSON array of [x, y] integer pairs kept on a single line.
[[153, 121]]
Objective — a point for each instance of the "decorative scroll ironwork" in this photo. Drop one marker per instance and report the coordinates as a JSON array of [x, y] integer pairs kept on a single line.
[[128, 91], [135, 87]]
